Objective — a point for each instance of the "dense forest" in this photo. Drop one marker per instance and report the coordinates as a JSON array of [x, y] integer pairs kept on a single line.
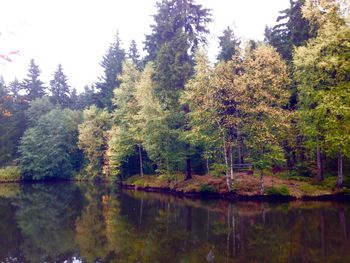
[[281, 104]]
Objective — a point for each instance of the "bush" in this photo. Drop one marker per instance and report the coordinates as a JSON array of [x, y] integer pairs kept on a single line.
[[10, 174], [205, 188], [346, 182], [218, 169], [283, 191]]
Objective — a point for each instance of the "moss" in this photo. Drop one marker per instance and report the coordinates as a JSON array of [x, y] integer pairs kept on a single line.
[[282, 191], [10, 174]]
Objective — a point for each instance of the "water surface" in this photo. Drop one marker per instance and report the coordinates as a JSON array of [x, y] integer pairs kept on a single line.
[[99, 223]]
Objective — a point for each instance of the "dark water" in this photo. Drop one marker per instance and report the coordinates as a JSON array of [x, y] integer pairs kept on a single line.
[[99, 223]]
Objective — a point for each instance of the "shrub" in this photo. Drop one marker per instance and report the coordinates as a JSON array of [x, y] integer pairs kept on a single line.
[[218, 169], [346, 182], [205, 188], [10, 174], [283, 191]]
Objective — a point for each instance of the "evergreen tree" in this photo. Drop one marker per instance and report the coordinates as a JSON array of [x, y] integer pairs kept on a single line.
[[180, 26], [112, 65], [12, 121], [292, 30], [59, 88], [173, 17], [134, 54], [87, 98], [32, 84], [228, 44], [73, 99], [15, 87]]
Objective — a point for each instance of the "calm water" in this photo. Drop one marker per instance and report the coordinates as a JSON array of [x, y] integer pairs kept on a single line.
[[99, 223]]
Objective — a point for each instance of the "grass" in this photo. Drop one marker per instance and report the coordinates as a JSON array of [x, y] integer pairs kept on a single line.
[[282, 191], [10, 174]]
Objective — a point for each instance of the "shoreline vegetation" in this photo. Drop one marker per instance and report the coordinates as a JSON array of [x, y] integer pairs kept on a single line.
[[245, 186]]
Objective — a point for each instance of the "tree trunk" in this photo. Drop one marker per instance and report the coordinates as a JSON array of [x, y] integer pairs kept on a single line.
[[262, 186], [239, 148], [319, 164], [340, 170], [227, 164], [188, 173], [141, 163], [231, 162], [207, 163]]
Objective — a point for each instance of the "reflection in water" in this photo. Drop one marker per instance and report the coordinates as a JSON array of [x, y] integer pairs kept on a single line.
[[99, 223]]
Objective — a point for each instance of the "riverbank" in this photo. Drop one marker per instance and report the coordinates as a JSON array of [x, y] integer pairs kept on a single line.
[[245, 187]]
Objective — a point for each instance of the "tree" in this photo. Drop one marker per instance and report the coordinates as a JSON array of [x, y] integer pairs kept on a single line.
[[265, 81], [15, 88], [174, 16], [153, 128], [112, 65], [322, 73], [228, 44], [59, 88], [199, 94], [12, 121], [292, 30], [93, 137], [126, 136], [37, 109], [32, 84], [87, 98], [180, 26], [73, 99], [49, 148], [134, 54]]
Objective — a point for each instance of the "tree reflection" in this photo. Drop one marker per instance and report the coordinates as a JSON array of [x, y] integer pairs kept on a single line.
[[99, 223], [45, 216]]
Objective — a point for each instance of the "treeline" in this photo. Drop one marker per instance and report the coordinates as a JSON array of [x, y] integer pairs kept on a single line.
[[281, 104]]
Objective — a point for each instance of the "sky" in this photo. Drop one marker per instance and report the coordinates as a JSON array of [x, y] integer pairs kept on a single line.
[[77, 33]]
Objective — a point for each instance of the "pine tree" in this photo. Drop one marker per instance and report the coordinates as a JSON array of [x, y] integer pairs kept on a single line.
[[292, 30], [180, 26], [32, 84], [176, 16], [15, 87], [112, 65], [228, 44], [59, 88], [134, 54], [73, 99]]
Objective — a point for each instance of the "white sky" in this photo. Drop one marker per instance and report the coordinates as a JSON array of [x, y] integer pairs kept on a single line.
[[77, 33]]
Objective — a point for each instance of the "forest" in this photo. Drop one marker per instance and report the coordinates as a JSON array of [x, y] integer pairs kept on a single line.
[[279, 106]]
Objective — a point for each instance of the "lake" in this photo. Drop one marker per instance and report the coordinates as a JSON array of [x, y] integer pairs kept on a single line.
[[66, 222]]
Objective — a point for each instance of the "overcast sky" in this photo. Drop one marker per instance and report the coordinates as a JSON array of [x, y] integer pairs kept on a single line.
[[77, 33]]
